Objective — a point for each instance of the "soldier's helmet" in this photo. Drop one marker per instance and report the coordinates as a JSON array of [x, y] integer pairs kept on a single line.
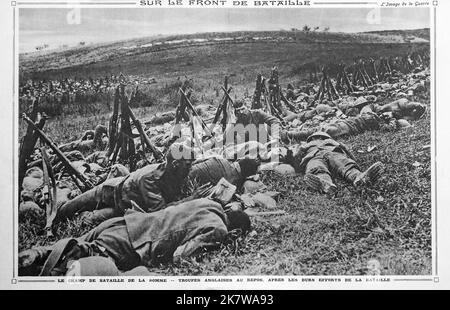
[[318, 134]]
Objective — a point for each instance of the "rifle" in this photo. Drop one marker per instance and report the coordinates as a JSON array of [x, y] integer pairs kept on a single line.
[[27, 145], [189, 104], [66, 162], [290, 105], [224, 106], [49, 181], [228, 95], [124, 126], [158, 155], [218, 111], [113, 135], [181, 113], [272, 110], [256, 104], [128, 145]]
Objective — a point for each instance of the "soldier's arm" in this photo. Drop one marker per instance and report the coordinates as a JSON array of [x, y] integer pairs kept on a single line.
[[272, 122], [151, 195], [210, 237]]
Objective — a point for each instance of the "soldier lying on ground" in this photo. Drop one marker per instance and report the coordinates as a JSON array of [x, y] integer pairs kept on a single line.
[[352, 125], [320, 109], [151, 187], [250, 125], [321, 157], [365, 121], [245, 117], [135, 239], [32, 187], [98, 142], [32, 195], [250, 149], [211, 170], [400, 109]]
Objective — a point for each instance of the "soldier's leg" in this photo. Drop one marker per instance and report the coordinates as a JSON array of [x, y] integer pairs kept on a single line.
[[87, 201], [93, 218], [317, 175], [293, 136], [348, 169], [111, 237], [32, 259], [343, 166]]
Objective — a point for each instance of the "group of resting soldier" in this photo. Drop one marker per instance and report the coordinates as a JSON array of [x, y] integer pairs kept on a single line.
[[143, 218], [152, 215]]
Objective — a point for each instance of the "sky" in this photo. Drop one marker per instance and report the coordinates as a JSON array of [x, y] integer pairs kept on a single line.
[[58, 26]]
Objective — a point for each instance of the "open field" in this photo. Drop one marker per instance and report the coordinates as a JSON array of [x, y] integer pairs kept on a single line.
[[318, 235]]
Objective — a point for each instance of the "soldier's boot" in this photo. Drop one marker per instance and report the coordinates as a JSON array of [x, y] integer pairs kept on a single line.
[[320, 184], [31, 260], [370, 176]]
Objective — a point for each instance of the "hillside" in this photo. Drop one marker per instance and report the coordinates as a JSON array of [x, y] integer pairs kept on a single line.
[[407, 35], [205, 59], [108, 57]]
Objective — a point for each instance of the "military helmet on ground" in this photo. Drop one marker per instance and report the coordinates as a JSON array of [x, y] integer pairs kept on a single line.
[[92, 266]]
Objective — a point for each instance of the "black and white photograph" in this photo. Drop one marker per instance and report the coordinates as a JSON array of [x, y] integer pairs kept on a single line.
[[212, 141]]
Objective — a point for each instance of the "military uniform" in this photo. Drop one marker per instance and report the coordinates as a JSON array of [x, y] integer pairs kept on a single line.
[[144, 186], [150, 238], [326, 157], [322, 158], [402, 108], [256, 118], [352, 125], [213, 169], [289, 136]]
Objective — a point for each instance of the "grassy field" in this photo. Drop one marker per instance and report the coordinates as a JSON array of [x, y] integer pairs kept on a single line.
[[318, 235], [326, 235]]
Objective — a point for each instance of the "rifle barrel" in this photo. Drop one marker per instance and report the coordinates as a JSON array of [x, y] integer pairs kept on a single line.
[[194, 111], [138, 125], [66, 162]]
